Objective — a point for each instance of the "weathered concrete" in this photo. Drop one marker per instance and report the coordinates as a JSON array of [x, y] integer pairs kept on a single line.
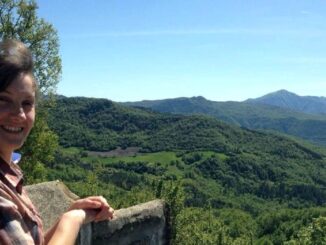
[[51, 200], [141, 224]]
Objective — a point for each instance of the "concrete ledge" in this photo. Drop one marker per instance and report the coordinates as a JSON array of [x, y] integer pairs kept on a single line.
[[141, 224], [51, 200]]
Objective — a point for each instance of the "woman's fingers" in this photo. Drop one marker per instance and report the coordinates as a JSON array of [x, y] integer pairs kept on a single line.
[[85, 204], [99, 199], [106, 210], [96, 208], [105, 214]]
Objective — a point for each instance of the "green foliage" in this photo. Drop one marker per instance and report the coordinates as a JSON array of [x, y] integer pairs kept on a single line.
[[197, 226], [313, 234], [248, 115], [252, 187], [191, 158], [280, 226], [101, 125], [173, 194], [139, 167], [239, 218], [239, 223], [200, 226], [38, 151], [18, 20]]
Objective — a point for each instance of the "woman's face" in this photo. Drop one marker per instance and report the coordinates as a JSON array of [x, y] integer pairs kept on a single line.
[[17, 113]]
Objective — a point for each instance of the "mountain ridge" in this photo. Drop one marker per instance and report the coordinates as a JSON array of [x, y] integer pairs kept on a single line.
[[290, 100], [311, 127]]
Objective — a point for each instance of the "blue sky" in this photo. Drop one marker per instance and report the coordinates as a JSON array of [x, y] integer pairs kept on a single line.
[[223, 50]]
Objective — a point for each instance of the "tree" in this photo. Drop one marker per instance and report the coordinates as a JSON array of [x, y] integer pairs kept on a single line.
[[18, 20], [173, 194], [313, 234], [39, 149]]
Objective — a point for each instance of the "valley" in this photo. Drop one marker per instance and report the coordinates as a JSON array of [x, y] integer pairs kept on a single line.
[[252, 185]]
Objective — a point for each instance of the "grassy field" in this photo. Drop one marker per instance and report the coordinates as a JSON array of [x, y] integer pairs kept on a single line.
[[171, 161], [164, 158]]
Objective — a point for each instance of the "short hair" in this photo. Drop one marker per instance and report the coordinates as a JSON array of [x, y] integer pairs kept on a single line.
[[15, 60]]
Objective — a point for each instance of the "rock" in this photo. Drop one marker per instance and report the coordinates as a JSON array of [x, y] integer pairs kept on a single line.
[[141, 224], [52, 199]]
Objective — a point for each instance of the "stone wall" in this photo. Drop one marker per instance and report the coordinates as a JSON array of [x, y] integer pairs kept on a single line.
[[141, 224]]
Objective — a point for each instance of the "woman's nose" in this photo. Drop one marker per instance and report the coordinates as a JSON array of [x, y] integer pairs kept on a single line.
[[18, 112]]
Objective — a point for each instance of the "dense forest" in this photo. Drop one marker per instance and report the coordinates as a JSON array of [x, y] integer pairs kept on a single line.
[[224, 184]]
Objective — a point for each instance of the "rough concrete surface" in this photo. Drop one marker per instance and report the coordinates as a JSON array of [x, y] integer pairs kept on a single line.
[[52, 199], [141, 224]]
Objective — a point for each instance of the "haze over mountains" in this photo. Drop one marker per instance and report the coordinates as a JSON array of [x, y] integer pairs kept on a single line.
[[282, 111]]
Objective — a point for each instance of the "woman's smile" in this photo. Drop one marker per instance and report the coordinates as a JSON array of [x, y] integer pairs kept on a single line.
[[14, 130]]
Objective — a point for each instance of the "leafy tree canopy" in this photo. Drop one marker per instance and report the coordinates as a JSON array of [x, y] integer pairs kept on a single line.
[[18, 20]]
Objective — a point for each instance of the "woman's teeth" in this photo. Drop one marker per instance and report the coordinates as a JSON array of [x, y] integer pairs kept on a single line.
[[12, 129]]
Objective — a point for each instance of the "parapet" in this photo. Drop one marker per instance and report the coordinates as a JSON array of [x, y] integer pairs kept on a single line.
[[145, 224]]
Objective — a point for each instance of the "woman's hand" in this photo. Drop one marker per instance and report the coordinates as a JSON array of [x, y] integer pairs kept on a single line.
[[95, 208], [82, 211]]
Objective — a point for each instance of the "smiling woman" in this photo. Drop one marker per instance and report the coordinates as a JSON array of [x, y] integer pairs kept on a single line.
[[19, 220]]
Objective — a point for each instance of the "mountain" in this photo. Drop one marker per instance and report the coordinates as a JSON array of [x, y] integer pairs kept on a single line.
[[289, 100], [100, 124], [247, 114], [247, 161]]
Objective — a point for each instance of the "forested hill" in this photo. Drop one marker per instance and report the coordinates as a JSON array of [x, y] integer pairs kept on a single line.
[[102, 125], [247, 114], [261, 186]]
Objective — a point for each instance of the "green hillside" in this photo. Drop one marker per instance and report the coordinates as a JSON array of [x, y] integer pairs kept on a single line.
[[242, 185], [248, 115]]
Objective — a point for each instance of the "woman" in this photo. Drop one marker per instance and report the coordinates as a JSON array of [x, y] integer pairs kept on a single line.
[[19, 221]]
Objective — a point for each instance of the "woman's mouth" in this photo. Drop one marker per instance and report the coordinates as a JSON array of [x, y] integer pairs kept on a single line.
[[11, 129]]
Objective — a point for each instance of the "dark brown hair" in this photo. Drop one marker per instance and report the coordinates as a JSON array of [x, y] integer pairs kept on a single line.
[[15, 60]]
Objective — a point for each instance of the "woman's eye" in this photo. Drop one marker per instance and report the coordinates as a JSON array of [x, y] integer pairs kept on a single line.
[[28, 103], [3, 100]]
